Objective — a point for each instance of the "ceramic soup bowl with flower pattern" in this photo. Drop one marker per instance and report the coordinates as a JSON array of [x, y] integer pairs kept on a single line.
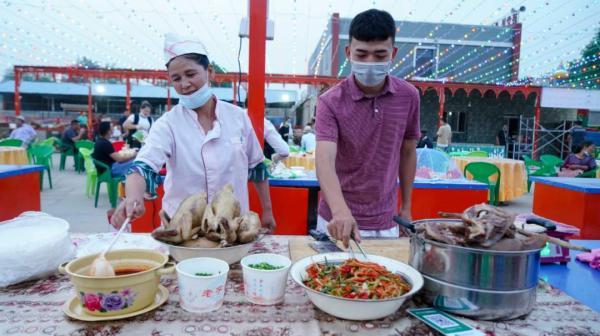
[[133, 287]]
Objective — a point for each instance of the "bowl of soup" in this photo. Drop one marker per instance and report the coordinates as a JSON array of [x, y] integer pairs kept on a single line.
[[133, 288]]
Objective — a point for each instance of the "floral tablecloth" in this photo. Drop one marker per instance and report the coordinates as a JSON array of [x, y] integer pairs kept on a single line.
[[35, 308]]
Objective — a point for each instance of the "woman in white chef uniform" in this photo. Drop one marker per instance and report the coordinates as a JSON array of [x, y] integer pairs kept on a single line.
[[206, 143]]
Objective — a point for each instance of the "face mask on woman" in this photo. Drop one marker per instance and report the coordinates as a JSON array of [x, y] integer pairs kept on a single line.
[[197, 98]]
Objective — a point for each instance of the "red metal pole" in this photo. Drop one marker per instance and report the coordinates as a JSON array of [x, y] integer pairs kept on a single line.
[[256, 69], [17, 92], [128, 95], [89, 116], [442, 99], [516, 52], [335, 43]]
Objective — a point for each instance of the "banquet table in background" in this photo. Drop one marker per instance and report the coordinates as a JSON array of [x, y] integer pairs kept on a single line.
[[569, 200], [301, 160], [13, 156], [19, 190], [513, 181], [35, 308], [493, 151]]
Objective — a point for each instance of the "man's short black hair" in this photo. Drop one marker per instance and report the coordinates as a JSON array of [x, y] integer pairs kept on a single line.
[[74, 122], [576, 149], [198, 58], [373, 25], [104, 128], [587, 143], [444, 118]]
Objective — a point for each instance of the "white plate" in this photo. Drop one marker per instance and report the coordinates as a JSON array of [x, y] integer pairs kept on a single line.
[[74, 309], [357, 309]]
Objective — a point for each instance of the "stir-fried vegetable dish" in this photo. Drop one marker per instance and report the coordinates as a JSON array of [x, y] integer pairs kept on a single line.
[[354, 279]]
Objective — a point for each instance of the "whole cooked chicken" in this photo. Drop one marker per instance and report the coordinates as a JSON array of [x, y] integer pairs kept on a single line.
[[186, 221], [219, 222], [248, 227], [197, 224]]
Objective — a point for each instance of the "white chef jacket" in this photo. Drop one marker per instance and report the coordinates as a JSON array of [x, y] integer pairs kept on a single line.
[[198, 162]]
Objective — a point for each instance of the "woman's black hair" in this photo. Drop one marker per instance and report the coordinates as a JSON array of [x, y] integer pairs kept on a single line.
[[145, 104], [104, 128], [198, 58], [373, 25]]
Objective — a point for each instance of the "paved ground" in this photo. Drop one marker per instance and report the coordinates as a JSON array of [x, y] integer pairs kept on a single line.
[[67, 200]]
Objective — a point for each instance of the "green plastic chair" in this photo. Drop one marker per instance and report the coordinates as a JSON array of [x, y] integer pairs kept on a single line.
[[484, 172], [537, 168], [551, 160], [42, 155], [79, 144], [65, 151], [112, 183], [11, 143], [90, 171], [588, 174], [478, 154]]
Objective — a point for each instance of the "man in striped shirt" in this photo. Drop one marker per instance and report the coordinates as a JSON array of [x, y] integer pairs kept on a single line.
[[367, 130]]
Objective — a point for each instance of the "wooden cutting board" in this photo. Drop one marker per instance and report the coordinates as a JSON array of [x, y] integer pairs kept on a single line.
[[397, 249]]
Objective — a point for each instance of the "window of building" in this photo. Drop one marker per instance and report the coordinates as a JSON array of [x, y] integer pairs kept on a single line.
[[458, 121], [424, 62]]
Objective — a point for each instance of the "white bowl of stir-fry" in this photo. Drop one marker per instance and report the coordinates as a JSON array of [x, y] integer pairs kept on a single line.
[[355, 287]]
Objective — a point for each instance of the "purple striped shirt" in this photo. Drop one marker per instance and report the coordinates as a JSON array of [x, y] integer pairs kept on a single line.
[[369, 132]]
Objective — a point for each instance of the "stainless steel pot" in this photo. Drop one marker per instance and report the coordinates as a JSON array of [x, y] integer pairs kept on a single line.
[[483, 284], [477, 303], [472, 267]]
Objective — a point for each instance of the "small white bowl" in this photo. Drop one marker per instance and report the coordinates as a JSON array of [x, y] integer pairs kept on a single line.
[[265, 287], [357, 309], [200, 294]]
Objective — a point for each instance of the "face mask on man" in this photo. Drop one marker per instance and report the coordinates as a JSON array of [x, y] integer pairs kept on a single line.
[[197, 98], [370, 73]]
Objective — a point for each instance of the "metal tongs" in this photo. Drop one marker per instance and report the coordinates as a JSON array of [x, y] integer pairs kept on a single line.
[[358, 245]]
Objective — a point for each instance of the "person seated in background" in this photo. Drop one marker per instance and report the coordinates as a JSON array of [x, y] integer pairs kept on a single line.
[[589, 148], [577, 163], [23, 132], [309, 140], [72, 134], [424, 141], [104, 152]]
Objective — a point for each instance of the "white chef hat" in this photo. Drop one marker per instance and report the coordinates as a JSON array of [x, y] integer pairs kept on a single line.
[[176, 45]]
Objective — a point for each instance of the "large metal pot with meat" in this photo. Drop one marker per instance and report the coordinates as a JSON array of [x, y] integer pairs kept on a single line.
[[479, 283]]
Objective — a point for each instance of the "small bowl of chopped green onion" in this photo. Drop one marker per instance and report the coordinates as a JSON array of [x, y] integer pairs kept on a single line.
[[202, 283], [265, 277]]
